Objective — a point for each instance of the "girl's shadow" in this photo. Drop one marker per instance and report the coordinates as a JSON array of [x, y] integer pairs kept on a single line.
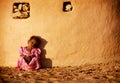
[[45, 62]]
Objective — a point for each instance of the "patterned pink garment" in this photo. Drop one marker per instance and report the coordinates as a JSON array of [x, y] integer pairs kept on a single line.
[[34, 63]]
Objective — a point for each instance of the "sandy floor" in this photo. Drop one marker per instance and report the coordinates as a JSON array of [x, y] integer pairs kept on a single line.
[[97, 73]]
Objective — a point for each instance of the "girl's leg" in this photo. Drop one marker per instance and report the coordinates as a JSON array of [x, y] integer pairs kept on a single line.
[[34, 63], [18, 64], [22, 64]]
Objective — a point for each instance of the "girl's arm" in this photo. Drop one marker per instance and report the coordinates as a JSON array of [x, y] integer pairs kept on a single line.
[[37, 53], [21, 51]]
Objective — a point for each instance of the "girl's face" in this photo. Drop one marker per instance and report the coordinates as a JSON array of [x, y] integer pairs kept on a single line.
[[31, 43]]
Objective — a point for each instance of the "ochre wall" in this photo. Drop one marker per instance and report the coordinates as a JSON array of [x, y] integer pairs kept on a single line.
[[88, 34]]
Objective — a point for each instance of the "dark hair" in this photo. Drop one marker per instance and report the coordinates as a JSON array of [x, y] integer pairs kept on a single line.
[[37, 39]]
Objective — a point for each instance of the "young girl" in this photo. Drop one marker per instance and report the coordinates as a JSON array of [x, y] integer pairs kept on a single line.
[[30, 55]]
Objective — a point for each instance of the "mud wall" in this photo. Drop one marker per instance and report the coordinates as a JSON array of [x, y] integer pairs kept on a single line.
[[90, 33]]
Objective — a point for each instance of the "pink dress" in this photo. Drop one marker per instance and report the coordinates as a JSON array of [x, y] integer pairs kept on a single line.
[[34, 63]]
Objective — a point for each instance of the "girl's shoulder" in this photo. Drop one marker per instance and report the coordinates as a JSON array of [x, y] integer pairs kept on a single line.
[[36, 50]]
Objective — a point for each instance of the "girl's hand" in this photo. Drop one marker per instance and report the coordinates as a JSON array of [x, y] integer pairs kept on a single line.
[[32, 56], [22, 55], [27, 59]]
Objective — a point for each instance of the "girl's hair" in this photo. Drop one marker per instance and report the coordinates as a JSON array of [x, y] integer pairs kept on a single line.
[[37, 39]]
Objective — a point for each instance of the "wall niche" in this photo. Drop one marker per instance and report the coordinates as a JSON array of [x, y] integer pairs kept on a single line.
[[67, 6], [21, 10]]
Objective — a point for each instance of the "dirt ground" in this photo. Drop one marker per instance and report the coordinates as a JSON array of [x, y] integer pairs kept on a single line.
[[95, 73]]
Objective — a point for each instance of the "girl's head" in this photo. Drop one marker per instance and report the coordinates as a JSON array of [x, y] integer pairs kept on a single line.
[[34, 41]]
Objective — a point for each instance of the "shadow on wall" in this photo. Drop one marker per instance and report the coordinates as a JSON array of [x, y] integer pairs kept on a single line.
[[45, 62]]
